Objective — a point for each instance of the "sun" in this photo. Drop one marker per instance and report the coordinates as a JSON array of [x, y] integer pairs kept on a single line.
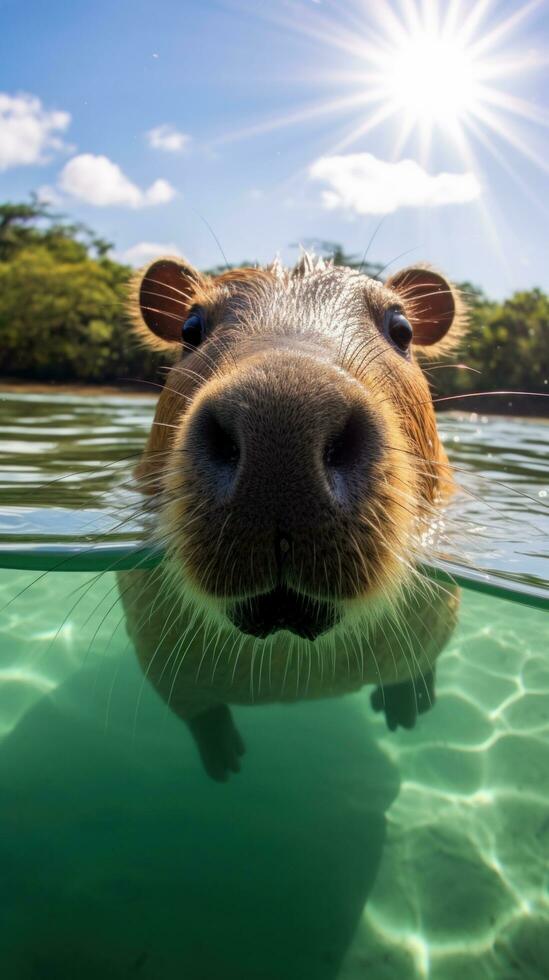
[[433, 79], [447, 66]]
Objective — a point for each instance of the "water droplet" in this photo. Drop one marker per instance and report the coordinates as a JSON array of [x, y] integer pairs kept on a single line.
[[542, 493]]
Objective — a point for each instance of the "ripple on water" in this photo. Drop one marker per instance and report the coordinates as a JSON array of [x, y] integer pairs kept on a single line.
[[463, 888]]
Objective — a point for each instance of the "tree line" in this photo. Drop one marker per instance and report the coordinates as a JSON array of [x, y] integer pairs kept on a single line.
[[62, 318]]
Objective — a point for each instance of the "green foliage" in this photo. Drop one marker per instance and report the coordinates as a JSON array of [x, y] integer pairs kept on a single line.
[[62, 308], [18, 226], [62, 302], [507, 345]]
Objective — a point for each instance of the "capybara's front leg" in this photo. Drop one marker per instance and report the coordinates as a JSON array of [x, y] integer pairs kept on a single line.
[[403, 702], [218, 740]]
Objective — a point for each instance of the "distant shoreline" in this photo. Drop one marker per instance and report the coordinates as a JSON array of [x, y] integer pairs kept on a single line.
[[22, 387], [482, 406]]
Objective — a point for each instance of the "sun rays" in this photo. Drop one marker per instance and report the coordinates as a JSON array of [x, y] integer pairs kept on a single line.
[[446, 69], [433, 74]]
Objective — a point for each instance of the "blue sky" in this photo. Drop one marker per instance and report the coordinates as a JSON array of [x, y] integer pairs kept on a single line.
[[143, 118]]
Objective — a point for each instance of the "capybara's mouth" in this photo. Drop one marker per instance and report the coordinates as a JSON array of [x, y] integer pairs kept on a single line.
[[283, 609]]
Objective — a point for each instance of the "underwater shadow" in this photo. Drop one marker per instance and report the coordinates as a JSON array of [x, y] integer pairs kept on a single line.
[[121, 858]]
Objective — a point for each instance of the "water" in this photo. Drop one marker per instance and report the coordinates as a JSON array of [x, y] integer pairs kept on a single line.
[[341, 851]]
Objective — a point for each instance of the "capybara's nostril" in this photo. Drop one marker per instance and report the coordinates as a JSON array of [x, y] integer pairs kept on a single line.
[[220, 445], [345, 448], [348, 455], [215, 447]]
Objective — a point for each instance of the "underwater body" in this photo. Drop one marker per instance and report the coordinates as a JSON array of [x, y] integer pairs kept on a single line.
[[342, 850]]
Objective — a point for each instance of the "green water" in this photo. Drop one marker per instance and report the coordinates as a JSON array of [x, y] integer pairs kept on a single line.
[[341, 851]]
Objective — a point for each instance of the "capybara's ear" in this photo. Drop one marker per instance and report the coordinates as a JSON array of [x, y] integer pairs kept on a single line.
[[162, 294], [431, 303]]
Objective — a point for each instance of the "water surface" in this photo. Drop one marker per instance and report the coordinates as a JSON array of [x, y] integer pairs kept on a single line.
[[66, 465]]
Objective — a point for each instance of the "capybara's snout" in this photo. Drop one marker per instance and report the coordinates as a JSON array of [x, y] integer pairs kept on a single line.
[[285, 438], [285, 451]]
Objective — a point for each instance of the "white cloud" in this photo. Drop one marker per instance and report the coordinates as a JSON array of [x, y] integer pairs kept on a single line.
[[28, 131], [159, 193], [97, 180], [146, 251], [167, 138], [361, 183]]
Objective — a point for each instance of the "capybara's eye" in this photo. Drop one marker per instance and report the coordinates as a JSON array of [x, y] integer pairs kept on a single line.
[[398, 329], [193, 330]]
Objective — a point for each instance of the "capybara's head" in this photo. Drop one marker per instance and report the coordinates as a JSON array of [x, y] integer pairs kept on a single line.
[[294, 455]]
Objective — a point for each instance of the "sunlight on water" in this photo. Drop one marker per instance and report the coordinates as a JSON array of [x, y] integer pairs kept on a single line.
[[464, 868]]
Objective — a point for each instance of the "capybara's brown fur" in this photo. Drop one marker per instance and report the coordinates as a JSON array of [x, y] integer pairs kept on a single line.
[[293, 468]]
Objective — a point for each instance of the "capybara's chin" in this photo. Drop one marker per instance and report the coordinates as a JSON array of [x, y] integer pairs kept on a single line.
[[283, 609]]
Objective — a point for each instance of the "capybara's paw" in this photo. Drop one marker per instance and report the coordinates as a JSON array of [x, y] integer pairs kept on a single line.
[[219, 742], [403, 702]]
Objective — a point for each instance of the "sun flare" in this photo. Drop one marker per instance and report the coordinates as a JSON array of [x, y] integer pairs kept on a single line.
[[432, 78], [451, 68], [429, 71]]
